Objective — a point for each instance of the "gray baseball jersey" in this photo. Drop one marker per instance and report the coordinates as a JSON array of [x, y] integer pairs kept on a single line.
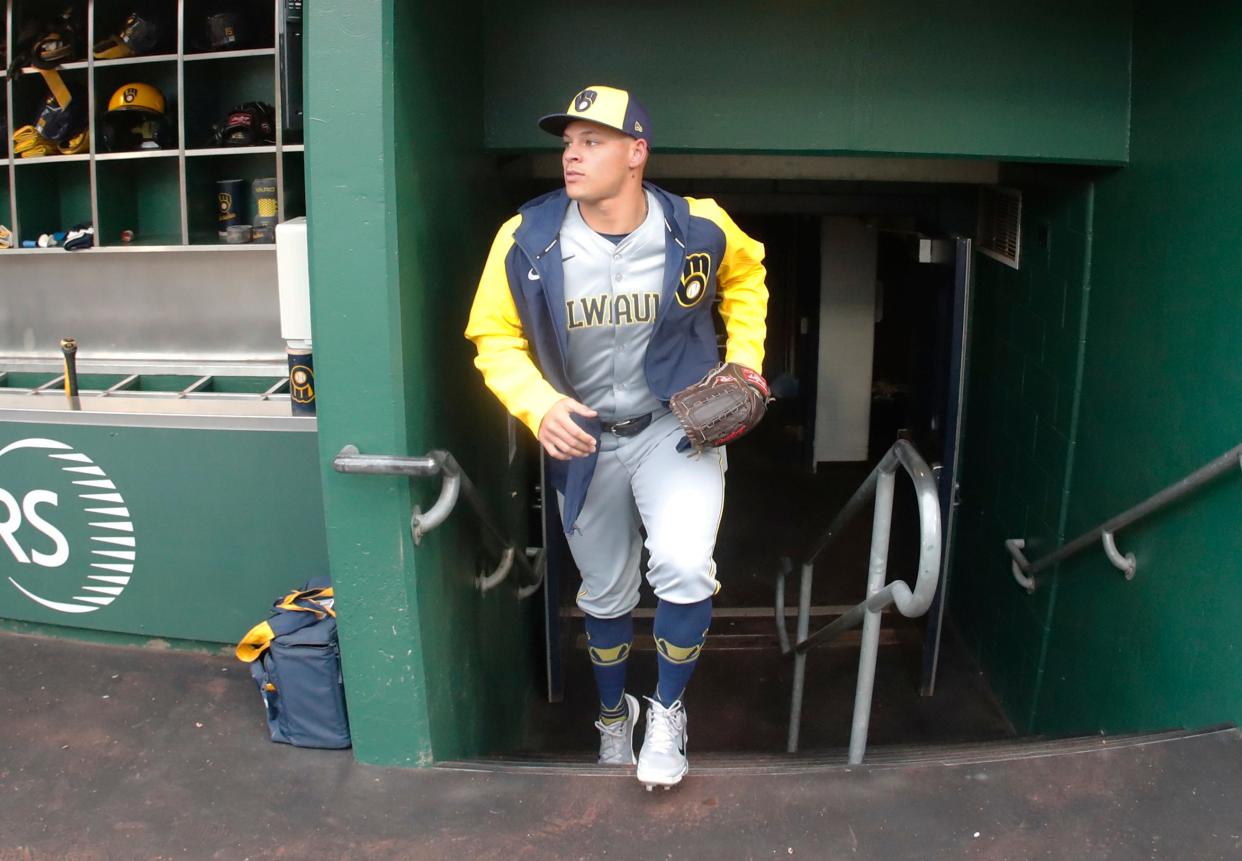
[[612, 294]]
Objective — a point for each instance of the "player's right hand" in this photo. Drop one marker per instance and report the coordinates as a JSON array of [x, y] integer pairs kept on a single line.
[[559, 433]]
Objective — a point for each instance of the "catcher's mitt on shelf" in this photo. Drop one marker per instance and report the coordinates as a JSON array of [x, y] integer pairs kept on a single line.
[[723, 406]]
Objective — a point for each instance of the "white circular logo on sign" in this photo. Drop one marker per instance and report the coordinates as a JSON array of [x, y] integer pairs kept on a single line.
[[65, 495]]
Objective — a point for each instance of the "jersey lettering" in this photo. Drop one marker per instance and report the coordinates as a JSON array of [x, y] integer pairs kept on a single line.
[[621, 312], [594, 308], [625, 309]]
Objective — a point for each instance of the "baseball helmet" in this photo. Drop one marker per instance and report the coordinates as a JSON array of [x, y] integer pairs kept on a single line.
[[137, 97], [135, 120], [140, 34]]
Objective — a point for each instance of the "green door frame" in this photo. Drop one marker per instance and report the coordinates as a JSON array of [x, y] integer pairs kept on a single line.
[[356, 296]]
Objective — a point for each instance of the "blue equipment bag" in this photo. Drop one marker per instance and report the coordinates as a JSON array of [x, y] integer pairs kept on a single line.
[[296, 662]]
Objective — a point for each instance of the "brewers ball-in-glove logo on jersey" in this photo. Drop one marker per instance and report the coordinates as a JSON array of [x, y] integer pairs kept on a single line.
[[694, 279], [66, 537]]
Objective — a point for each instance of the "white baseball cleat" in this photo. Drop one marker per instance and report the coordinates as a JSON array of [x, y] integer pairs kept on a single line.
[[616, 741], [662, 760]]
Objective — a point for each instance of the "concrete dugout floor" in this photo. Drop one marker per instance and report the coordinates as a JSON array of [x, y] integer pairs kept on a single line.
[[128, 753]]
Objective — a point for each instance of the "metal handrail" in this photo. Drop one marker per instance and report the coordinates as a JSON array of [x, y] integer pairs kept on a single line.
[[909, 602], [1025, 571], [454, 483]]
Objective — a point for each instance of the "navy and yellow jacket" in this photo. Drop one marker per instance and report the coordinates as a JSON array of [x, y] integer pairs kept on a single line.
[[518, 321]]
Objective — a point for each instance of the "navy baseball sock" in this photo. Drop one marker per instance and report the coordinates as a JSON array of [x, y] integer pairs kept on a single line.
[[608, 643], [680, 630]]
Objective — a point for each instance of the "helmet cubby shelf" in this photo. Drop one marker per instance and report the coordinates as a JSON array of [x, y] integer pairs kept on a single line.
[[136, 61], [201, 176], [75, 66], [231, 55], [52, 194], [159, 81], [142, 196], [140, 154], [229, 151], [51, 159]]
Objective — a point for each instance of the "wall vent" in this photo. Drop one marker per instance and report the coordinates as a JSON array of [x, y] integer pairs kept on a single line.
[[1000, 224]]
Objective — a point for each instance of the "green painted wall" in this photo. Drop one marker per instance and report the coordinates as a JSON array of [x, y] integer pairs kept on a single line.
[[1046, 80], [222, 522], [398, 229], [1026, 346], [477, 650], [355, 304], [1162, 394]]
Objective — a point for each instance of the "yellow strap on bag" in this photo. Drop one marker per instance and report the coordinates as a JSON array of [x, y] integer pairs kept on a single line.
[[255, 642], [300, 600], [56, 84], [259, 638]]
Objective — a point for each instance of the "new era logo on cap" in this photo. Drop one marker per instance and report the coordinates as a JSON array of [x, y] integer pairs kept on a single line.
[[608, 106]]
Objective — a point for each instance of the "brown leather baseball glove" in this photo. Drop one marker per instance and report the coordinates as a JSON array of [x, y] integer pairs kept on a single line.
[[723, 406]]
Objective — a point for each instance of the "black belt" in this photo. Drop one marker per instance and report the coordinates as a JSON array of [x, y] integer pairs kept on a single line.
[[627, 427]]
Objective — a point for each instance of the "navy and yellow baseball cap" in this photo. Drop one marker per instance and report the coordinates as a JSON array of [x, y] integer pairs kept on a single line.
[[607, 106]]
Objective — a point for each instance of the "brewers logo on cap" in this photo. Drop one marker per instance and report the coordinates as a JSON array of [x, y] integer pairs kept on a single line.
[[607, 106], [584, 100]]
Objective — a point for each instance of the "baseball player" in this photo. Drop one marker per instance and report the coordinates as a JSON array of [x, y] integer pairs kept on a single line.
[[593, 310]]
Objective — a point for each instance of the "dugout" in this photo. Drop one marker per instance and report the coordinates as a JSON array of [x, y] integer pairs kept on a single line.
[[181, 469], [1069, 104], [1101, 365]]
